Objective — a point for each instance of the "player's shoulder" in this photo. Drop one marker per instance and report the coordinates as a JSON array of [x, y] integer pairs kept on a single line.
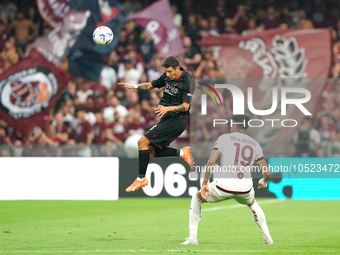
[[224, 137], [257, 144], [186, 75]]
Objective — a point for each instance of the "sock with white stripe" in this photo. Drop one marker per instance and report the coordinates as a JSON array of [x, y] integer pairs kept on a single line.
[[194, 216], [260, 219]]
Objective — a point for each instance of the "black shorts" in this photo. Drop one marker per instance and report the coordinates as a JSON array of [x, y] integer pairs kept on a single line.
[[166, 131]]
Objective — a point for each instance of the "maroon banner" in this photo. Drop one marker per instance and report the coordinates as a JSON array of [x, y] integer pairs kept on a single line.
[[275, 59], [157, 19], [275, 53], [56, 45], [53, 11], [28, 90]]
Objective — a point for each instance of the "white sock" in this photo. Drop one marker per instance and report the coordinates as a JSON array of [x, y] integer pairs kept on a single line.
[[140, 179], [260, 219], [181, 153], [194, 216]]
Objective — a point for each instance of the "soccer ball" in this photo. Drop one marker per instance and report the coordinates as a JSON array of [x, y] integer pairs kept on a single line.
[[102, 36]]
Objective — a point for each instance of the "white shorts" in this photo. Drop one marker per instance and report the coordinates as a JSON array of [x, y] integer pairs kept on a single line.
[[217, 195]]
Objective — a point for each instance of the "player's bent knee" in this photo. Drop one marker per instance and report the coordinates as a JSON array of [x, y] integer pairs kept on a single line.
[[199, 195], [252, 202], [143, 143]]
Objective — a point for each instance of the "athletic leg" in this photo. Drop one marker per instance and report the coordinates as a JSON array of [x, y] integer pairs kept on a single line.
[[144, 158], [184, 153], [194, 218], [195, 210], [260, 220], [167, 152]]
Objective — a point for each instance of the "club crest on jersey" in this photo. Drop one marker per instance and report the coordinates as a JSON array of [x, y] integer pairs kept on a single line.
[[170, 89], [27, 92]]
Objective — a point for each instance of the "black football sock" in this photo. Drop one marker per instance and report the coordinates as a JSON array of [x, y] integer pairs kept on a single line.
[[144, 157], [166, 152]]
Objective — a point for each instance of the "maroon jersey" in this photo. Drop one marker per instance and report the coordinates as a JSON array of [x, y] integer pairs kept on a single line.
[[82, 130], [118, 130], [98, 90], [61, 130], [99, 133]]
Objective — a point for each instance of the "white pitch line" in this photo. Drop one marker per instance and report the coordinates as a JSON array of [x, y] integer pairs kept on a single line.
[[217, 208], [186, 250]]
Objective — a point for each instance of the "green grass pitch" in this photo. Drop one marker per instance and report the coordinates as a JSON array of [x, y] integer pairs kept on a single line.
[[158, 226]]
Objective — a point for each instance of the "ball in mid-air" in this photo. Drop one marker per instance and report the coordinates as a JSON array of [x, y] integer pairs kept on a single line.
[[103, 35]]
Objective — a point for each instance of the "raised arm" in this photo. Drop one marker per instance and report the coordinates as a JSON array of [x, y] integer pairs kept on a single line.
[[142, 86]]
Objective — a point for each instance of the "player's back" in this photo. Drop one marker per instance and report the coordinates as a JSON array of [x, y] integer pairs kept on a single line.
[[238, 153]]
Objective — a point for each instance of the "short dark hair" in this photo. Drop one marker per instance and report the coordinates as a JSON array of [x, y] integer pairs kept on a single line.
[[243, 119], [171, 62]]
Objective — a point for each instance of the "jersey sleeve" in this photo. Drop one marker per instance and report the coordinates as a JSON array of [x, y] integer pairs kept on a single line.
[[160, 82], [187, 93], [218, 144], [259, 153]]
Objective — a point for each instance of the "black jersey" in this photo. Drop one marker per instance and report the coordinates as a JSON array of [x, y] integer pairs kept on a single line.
[[177, 91]]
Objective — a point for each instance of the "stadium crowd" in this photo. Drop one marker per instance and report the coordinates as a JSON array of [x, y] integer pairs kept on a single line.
[[96, 117]]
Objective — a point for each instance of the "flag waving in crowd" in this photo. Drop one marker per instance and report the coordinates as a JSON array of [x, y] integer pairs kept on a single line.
[[157, 20], [28, 90]]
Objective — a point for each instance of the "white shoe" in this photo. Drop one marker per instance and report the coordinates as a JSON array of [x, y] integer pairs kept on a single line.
[[190, 241], [269, 241]]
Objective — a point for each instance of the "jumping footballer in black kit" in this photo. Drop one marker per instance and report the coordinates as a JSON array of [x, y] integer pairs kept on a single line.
[[173, 110]]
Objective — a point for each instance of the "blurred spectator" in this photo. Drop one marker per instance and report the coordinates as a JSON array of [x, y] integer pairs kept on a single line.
[[213, 26], [177, 16], [156, 69], [131, 99], [307, 141], [99, 134], [84, 91], [134, 124], [132, 35], [132, 6], [136, 58], [146, 47], [108, 77], [61, 130], [24, 30], [4, 34], [34, 16], [8, 56], [228, 26], [114, 107], [192, 55], [252, 27], [83, 135], [286, 17], [327, 132], [328, 107], [304, 22], [318, 14], [191, 28], [240, 19], [127, 72], [116, 130], [272, 20], [113, 60]]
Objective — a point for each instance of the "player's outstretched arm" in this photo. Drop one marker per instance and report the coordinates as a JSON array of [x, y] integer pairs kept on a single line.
[[142, 86], [208, 171], [263, 183]]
